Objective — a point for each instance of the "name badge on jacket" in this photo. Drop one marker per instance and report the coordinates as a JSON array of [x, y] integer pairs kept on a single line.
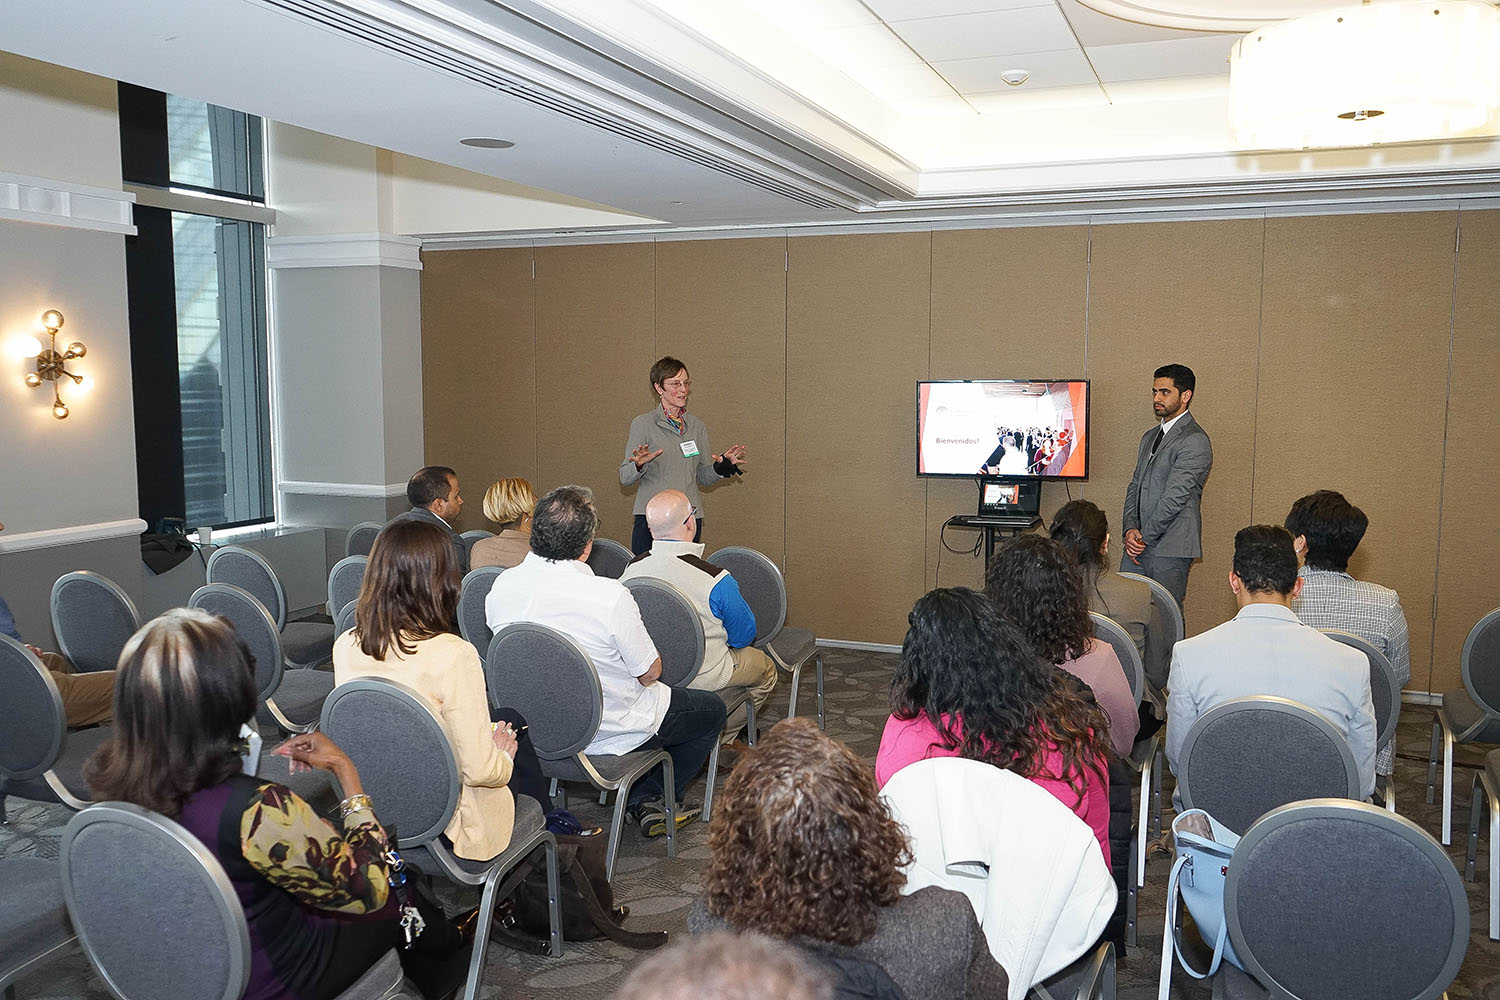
[[689, 449]]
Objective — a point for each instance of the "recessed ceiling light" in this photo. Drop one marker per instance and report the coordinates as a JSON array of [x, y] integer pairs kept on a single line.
[[483, 142]]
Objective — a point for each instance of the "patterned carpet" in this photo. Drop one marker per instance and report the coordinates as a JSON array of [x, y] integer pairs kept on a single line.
[[660, 890]]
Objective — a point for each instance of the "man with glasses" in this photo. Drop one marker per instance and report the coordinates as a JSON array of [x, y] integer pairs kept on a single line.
[[668, 450], [729, 659]]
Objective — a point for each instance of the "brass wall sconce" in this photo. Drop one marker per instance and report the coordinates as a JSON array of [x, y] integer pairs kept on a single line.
[[50, 365]]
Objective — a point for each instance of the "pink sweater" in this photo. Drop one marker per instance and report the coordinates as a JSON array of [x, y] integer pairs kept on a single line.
[[906, 741]]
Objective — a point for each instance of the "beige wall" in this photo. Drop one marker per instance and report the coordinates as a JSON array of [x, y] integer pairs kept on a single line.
[[1322, 347]]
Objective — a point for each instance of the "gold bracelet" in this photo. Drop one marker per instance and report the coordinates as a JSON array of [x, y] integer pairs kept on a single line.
[[354, 804]]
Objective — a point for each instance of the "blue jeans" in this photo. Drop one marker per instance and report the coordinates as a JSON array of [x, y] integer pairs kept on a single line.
[[687, 732], [8, 622]]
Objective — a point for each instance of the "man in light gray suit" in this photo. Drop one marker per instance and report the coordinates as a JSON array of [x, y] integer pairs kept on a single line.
[[1266, 650], [1163, 527], [434, 497]]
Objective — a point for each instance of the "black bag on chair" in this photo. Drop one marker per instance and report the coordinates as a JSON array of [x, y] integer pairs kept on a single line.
[[585, 897]]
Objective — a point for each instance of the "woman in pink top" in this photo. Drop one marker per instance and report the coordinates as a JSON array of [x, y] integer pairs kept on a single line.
[[1036, 584], [970, 685]]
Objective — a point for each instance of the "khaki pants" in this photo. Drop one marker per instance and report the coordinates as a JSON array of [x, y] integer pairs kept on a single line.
[[755, 670], [88, 698]]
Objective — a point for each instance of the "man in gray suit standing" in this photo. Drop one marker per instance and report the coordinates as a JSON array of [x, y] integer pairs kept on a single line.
[[1163, 526]]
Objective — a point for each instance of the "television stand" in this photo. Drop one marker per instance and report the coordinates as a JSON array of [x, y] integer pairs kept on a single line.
[[991, 525]]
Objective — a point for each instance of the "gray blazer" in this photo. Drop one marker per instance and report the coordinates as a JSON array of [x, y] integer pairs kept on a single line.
[[1163, 496], [459, 546]]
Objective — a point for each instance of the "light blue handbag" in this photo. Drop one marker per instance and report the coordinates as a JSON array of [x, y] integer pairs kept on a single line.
[[1198, 880]]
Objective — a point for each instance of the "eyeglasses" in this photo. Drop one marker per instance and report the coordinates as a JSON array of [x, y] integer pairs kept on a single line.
[[691, 514], [674, 384]]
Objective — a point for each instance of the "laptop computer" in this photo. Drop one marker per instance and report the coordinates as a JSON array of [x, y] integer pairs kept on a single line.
[[1010, 499]]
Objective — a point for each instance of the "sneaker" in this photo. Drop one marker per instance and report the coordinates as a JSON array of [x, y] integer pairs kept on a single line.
[[651, 816]]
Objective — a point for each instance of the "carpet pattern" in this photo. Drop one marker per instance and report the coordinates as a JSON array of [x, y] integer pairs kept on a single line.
[[660, 890]]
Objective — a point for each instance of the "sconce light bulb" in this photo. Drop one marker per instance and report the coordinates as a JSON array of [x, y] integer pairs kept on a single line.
[[59, 410], [85, 382], [33, 379], [76, 350], [28, 347], [52, 320]]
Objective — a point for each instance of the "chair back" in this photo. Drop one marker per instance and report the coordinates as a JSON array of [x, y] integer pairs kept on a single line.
[[155, 913], [253, 623], [344, 581], [249, 570], [1480, 663], [471, 597], [548, 678], [361, 538], [1108, 630], [609, 558], [1245, 757], [760, 583], [33, 724], [344, 620], [1385, 686], [470, 537], [1166, 606], [674, 627], [404, 758], [92, 618], [1330, 899]]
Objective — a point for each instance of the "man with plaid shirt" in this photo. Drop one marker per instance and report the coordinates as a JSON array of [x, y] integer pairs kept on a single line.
[[1326, 529]]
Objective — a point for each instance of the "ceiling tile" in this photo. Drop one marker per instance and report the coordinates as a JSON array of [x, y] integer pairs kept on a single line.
[[1095, 28], [860, 46], [1020, 99], [995, 33], [1166, 60], [811, 16], [906, 10], [1059, 68], [903, 83]]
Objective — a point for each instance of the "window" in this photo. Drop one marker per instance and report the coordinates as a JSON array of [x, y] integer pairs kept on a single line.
[[197, 289]]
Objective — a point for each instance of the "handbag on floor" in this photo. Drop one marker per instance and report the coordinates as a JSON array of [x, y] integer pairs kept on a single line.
[[585, 897], [1204, 847]]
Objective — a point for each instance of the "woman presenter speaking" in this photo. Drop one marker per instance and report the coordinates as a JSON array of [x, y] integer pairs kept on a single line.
[[668, 450]]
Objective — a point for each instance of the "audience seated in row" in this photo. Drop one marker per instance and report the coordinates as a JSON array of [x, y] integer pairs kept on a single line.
[[554, 586], [509, 503], [804, 849], [1326, 529], [1264, 650], [971, 685], [318, 897], [729, 659]]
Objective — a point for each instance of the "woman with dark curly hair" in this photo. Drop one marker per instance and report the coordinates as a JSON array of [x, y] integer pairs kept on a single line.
[[1082, 529], [970, 685], [804, 849], [1036, 584]]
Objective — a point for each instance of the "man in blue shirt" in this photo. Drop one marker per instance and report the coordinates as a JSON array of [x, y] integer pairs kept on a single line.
[[729, 659]]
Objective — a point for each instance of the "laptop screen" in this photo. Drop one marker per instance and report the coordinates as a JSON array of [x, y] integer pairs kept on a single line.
[[1010, 497]]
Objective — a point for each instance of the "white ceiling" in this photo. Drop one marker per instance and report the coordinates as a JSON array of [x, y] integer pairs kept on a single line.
[[628, 106]]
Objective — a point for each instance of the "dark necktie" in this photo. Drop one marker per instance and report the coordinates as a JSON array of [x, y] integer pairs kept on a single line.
[[1157, 443]]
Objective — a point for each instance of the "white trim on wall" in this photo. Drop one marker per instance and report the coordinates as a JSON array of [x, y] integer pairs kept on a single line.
[[342, 489], [53, 537], [345, 250], [868, 647], [59, 203]]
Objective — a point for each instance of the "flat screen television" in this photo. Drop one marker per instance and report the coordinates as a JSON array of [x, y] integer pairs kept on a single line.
[[1003, 427]]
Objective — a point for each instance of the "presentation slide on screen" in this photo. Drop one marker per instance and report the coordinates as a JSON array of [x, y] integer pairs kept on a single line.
[[1002, 428]]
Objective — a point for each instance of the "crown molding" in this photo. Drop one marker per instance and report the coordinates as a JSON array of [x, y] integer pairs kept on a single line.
[[341, 489], [59, 203], [52, 537], [344, 250]]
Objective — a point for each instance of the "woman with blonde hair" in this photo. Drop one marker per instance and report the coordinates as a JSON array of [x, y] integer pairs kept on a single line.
[[509, 503]]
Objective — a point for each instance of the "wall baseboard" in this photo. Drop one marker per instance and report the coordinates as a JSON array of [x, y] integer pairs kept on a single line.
[[868, 647], [53, 537]]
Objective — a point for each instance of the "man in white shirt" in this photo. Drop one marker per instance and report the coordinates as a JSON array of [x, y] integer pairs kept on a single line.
[[554, 586], [1265, 650]]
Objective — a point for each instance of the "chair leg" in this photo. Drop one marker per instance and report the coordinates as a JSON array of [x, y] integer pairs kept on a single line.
[[554, 900], [1476, 814], [559, 791], [1132, 888], [487, 901], [1447, 786], [708, 781], [1494, 866], [822, 717], [750, 734], [1432, 756], [1138, 852], [615, 829], [791, 706], [669, 785], [1390, 793], [1158, 763]]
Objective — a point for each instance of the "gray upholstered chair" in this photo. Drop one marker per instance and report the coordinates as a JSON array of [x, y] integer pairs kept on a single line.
[[609, 558], [408, 768], [1470, 714], [764, 589], [470, 537], [1337, 899], [550, 680], [361, 538], [1385, 689], [39, 758], [291, 698], [344, 620], [1108, 630], [471, 597], [92, 618], [677, 631], [1246, 756], [34, 927], [303, 644], [158, 917], [1485, 792], [343, 584], [1161, 635]]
